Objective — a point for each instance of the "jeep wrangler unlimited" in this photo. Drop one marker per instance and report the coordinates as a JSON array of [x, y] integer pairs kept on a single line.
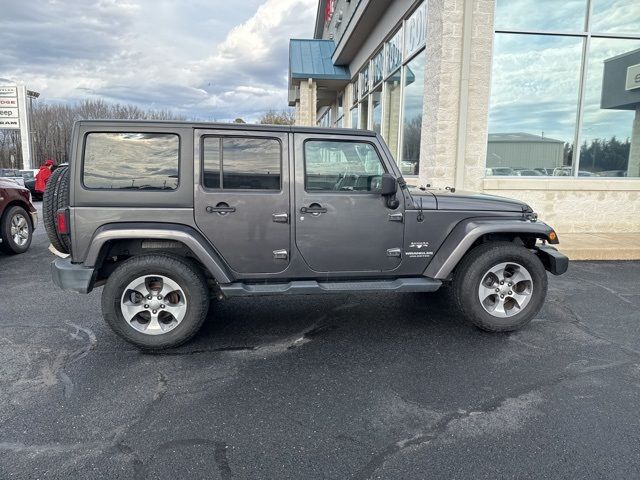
[[168, 215]]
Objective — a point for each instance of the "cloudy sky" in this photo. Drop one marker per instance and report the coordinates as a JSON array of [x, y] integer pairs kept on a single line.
[[205, 59]]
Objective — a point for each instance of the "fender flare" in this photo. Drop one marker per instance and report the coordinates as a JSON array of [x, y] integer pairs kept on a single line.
[[189, 236], [465, 233]]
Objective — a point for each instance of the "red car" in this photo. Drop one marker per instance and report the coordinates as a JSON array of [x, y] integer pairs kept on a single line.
[[18, 217]]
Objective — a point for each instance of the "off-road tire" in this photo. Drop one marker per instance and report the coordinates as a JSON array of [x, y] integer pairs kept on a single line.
[[55, 197], [470, 271], [8, 245], [187, 276]]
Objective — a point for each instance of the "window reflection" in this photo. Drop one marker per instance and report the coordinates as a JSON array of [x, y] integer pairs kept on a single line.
[[412, 112], [607, 139], [376, 110], [532, 121], [391, 121], [551, 15], [616, 16]]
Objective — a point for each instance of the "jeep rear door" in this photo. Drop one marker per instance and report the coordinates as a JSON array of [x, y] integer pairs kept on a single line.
[[242, 197], [342, 222]]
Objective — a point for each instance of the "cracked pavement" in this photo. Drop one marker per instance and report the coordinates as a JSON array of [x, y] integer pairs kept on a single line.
[[359, 386]]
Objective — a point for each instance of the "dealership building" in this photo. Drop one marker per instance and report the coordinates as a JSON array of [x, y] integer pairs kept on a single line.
[[532, 99]]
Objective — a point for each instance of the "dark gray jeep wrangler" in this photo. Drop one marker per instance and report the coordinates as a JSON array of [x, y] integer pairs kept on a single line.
[[168, 215]]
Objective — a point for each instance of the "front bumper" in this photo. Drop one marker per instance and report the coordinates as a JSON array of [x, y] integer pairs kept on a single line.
[[554, 261], [70, 276]]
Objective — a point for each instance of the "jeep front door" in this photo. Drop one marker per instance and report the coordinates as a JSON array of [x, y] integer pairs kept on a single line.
[[242, 197], [343, 224]]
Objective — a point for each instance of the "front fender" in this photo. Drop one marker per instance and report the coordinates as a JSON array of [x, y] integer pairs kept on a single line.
[[468, 231]]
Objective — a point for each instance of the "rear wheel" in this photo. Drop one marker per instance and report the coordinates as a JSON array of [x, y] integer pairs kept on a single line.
[[155, 301], [500, 286], [15, 230]]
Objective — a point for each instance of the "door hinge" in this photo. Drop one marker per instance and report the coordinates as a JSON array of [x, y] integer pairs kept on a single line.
[[280, 217], [394, 252], [396, 217], [280, 254]]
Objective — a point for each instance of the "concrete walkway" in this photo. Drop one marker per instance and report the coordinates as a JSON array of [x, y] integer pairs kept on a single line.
[[600, 246]]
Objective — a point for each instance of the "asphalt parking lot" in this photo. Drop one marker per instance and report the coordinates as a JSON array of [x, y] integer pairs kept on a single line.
[[359, 386]]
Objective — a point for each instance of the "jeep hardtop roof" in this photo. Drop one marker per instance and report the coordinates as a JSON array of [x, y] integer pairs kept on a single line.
[[226, 126]]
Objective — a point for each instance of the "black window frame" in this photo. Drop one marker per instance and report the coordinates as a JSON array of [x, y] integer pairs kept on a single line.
[[336, 140], [145, 190], [221, 187]]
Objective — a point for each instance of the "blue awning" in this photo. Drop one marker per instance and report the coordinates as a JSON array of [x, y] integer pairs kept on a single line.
[[311, 58]]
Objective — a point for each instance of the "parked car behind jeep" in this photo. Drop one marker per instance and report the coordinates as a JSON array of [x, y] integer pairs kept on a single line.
[[167, 215], [18, 217]]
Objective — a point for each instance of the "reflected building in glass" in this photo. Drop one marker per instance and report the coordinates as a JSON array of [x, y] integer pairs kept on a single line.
[[488, 96]]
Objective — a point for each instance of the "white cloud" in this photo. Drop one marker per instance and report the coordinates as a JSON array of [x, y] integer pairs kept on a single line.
[[203, 59]]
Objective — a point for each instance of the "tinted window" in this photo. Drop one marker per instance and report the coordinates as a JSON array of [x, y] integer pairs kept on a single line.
[[241, 163], [341, 166], [131, 161]]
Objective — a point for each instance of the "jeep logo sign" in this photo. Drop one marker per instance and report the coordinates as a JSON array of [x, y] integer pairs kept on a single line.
[[633, 77]]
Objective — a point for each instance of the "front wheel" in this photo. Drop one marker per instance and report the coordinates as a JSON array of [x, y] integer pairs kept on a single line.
[[500, 286], [155, 301]]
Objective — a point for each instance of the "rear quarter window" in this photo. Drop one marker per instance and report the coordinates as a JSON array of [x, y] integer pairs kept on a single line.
[[131, 161]]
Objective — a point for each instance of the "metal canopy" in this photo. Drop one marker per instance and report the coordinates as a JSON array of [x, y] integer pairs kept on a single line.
[[310, 58]]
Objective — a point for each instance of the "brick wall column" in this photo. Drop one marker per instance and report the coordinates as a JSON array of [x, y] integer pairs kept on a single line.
[[306, 113], [444, 84]]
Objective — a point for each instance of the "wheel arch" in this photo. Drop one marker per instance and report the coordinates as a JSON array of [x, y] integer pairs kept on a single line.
[[471, 232], [152, 238]]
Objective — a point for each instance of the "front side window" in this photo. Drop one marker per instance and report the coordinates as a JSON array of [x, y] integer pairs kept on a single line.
[[341, 166], [241, 163], [131, 161]]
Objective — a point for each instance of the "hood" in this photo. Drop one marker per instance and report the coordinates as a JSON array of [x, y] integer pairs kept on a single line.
[[10, 183], [471, 201]]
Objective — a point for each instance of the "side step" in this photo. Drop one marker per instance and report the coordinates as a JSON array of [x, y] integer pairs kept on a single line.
[[310, 287]]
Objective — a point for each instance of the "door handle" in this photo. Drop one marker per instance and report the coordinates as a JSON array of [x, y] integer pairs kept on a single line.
[[221, 208], [280, 217], [313, 209]]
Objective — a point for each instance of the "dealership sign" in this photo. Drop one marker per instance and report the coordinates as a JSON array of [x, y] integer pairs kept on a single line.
[[14, 116], [633, 77]]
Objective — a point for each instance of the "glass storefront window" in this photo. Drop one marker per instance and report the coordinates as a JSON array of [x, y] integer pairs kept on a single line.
[[354, 117], [354, 92], [364, 115], [616, 16], [606, 147], [532, 119], [412, 115], [376, 68], [376, 110], [543, 95], [339, 109], [393, 53], [364, 82], [415, 31], [551, 15], [391, 122]]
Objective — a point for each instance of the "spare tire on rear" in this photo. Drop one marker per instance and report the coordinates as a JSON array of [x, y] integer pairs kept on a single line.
[[56, 196]]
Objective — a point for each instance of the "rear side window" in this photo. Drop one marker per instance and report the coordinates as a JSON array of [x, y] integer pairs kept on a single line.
[[131, 161], [241, 163]]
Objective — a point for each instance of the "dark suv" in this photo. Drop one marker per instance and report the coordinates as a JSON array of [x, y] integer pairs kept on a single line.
[[18, 217], [167, 215]]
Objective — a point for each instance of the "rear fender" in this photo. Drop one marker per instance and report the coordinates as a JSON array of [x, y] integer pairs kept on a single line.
[[188, 236]]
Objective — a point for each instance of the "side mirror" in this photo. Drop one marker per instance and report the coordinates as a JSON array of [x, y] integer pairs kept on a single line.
[[389, 185]]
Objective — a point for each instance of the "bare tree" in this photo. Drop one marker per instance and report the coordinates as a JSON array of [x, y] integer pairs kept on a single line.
[[273, 117], [51, 126]]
